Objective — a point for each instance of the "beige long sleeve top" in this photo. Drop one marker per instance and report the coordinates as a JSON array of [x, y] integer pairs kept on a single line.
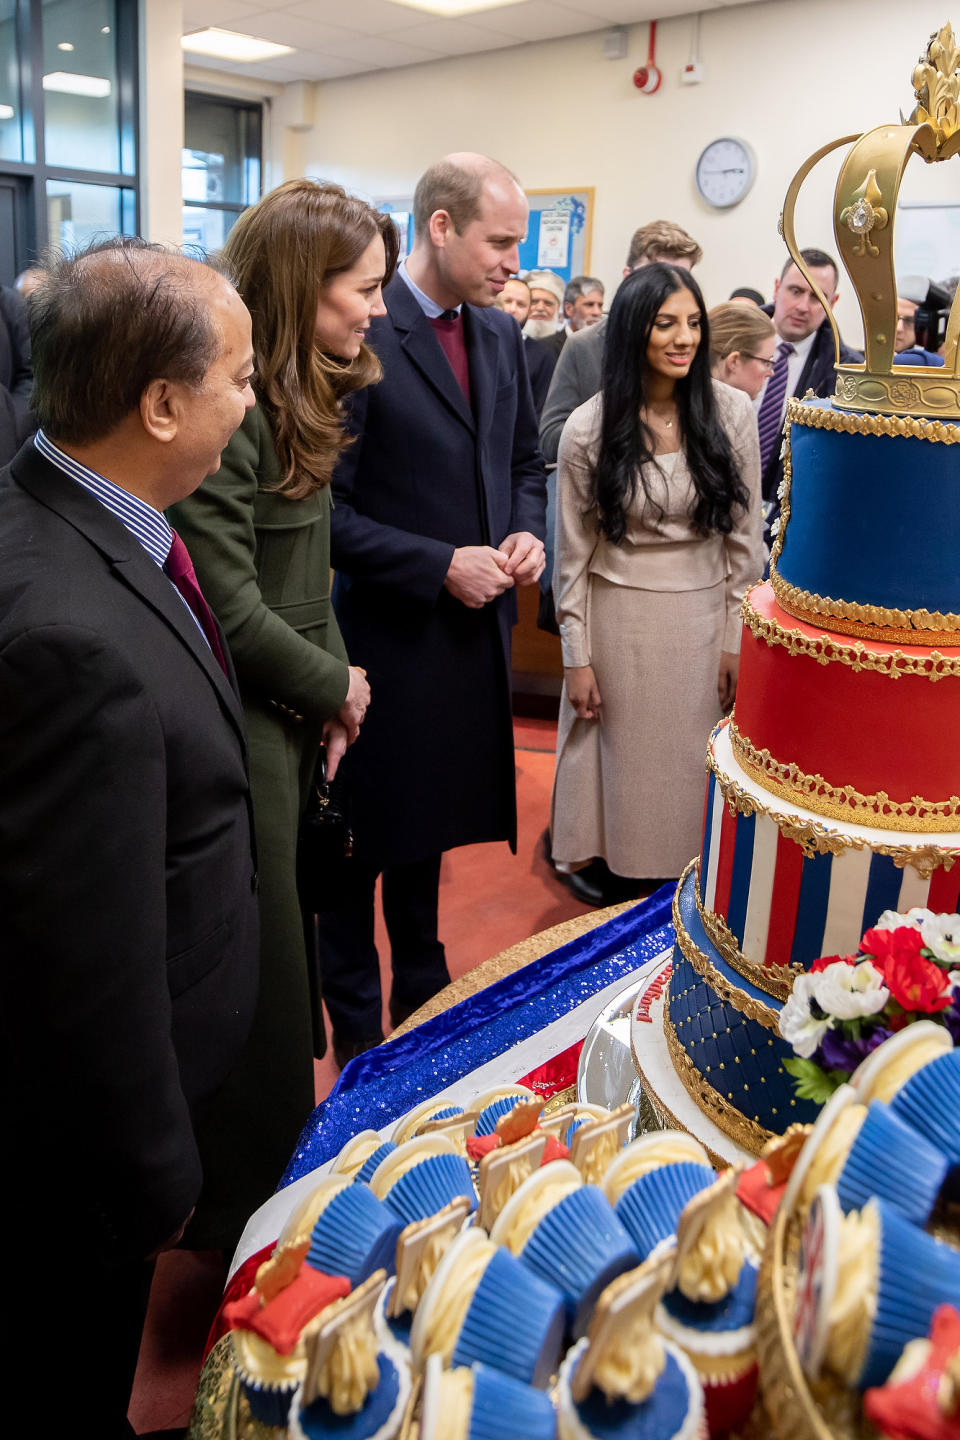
[[666, 553]]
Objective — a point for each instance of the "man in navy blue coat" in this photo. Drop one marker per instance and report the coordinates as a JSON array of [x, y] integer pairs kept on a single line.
[[439, 516]]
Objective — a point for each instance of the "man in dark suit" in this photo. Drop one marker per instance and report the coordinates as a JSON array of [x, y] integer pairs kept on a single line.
[[805, 358], [439, 516], [16, 374], [127, 877]]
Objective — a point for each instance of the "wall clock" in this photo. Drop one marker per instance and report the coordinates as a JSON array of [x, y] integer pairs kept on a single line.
[[725, 171]]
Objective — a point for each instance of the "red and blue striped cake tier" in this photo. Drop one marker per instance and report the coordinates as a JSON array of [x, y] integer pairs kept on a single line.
[[778, 885]]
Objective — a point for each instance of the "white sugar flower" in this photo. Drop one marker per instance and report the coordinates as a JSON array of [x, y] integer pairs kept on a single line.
[[912, 920], [850, 991], [797, 1025], [953, 978], [941, 935]]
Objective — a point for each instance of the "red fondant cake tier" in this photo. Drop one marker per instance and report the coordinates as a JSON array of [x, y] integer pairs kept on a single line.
[[843, 721]]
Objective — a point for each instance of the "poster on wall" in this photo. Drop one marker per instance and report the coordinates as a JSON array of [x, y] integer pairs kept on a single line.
[[559, 232]]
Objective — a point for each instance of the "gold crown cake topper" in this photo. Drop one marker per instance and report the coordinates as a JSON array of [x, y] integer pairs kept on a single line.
[[865, 205]]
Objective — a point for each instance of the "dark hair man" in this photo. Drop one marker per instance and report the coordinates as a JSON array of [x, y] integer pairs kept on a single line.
[[126, 873], [439, 517], [803, 360]]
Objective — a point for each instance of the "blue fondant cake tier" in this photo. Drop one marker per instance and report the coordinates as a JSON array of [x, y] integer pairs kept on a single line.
[[739, 1057], [854, 501]]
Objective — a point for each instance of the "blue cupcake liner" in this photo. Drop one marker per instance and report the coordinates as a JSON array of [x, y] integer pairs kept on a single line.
[[663, 1412], [580, 1246], [650, 1208], [490, 1114], [717, 1317], [318, 1420], [269, 1406], [915, 1274], [429, 1185], [506, 1409], [447, 1113], [572, 1129], [355, 1235], [930, 1102], [891, 1159], [369, 1165], [514, 1323]]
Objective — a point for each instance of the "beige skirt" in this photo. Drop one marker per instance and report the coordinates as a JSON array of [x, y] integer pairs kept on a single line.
[[630, 787]]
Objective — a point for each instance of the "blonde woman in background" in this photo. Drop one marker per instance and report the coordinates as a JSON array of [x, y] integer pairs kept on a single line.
[[309, 261], [742, 344]]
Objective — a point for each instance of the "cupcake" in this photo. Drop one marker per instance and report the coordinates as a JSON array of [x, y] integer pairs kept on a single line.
[[921, 1399], [503, 1171], [483, 1306], [869, 1282], [421, 1176], [353, 1233], [482, 1404], [351, 1387], [491, 1115], [410, 1126], [360, 1156], [567, 1119], [266, 1335], [650, 1182], [891, 1065], [567, 1233], [594, 1143], [623, 1380], [420, 1248], [709, 1313], [865, 1151], [930, 1102]]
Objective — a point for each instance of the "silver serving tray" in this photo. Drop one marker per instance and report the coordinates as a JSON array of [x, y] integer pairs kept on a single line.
[[606, 1074]]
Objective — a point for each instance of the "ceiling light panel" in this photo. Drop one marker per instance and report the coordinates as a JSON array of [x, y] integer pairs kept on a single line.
[[454, 7], [232, 45], [97, 87]]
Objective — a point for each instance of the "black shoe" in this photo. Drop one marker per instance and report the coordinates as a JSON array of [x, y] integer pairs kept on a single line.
[[348, 1047]]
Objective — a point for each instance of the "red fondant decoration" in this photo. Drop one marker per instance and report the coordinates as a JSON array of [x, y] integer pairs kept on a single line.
[[281, 1321], [784, 901], [757, 1194], [854, 727], [912, 1410]]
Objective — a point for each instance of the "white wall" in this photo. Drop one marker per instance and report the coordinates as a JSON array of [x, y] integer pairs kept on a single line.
[[161, 119], [786, 75]]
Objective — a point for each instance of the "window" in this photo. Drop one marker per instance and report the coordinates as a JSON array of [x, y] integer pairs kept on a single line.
[[68, 123], [221, 166]]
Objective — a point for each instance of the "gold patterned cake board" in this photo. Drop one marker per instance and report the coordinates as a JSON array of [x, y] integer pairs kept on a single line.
[[670, 1100]]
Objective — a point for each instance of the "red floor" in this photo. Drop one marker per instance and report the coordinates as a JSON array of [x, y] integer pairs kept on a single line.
[[489, 900]]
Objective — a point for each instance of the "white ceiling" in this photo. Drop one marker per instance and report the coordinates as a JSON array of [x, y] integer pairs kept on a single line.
[[345, 37]]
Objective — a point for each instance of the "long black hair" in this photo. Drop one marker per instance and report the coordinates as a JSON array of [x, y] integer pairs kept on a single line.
[[627, 444]]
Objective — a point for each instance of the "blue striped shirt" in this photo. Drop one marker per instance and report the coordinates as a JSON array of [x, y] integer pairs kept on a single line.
[[147, 526]]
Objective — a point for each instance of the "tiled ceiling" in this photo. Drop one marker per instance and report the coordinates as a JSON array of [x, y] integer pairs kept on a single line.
[[346, 37]]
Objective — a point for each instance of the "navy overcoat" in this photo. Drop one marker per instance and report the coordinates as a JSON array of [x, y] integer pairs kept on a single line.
[[430, 471]]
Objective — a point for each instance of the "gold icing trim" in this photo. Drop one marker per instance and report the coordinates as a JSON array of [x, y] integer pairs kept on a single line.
[[730, 994], [776, 980], [747, 1133], [843, 802], [826, 650], [813, 839], [849, 617], [669, 1121]]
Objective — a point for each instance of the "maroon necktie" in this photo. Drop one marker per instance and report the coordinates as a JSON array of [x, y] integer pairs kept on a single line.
[[179, 569], [448, 329]]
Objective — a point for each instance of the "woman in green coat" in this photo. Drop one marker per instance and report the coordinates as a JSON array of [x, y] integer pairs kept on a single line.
[[309, 262]]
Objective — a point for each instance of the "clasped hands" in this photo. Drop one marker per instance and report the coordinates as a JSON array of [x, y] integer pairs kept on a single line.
[[344, 728], [478, 573]]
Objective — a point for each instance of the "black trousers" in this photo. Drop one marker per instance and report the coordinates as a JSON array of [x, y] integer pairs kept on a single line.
[[348, 955]]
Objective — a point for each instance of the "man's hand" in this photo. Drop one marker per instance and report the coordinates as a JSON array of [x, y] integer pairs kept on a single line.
[[526, 557], [354, 707], [477, 575], [336, 739], [582, 691], [727, 680]]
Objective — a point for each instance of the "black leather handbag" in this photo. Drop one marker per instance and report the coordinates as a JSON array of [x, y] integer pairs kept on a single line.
[[325, 842]]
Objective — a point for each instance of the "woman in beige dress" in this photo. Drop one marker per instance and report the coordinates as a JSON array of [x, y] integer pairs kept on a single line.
[[658, 536]]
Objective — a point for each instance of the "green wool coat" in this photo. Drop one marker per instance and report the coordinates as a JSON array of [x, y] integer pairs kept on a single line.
[[263, 563]]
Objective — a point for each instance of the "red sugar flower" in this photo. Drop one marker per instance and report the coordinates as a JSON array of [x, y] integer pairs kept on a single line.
[[825, 960]]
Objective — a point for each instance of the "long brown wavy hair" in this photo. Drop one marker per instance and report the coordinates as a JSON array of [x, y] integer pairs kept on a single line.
[[282, 252]]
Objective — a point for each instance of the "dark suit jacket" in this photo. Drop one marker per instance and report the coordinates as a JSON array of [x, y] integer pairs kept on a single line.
[[126, 869], [16, 374], [541, 362], [576, 378], [819, 375], [429, 472]]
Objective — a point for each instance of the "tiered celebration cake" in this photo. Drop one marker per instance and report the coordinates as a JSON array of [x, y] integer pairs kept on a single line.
[[833, 791]]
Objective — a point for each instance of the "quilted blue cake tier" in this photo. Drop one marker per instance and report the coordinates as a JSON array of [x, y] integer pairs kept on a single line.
[[725, 1056], [854, 497]]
